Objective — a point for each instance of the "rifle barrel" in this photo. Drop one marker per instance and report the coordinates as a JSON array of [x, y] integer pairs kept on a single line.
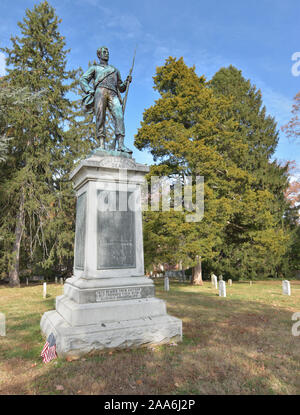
[[127, 87]]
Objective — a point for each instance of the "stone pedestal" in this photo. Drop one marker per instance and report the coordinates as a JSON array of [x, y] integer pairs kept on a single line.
[[108, 302]]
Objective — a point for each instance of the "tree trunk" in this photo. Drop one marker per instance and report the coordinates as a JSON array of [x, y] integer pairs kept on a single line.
[[14, 280], [197, 273]]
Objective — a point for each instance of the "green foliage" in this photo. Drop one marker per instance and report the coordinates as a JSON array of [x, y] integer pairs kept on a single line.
[[263, 212], [11, 100], [43, 148], [218, 130]]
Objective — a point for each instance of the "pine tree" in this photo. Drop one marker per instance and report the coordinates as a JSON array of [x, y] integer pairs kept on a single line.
[[185, 130], [11, 100], [37, 203], [259, 132], [192, 129]]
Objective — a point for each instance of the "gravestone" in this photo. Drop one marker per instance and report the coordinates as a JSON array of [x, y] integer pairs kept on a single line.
[[286, 287], [44, 290], [166, 284], [222, 288], [230, 283], [61, 281], [2, 325], [109, 302], [250, 283], [181, 275], [214, 281], [56, 280], [27, 281]]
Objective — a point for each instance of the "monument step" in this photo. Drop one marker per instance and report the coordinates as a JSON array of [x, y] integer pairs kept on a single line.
[[77, 341], [85, 291], [96, 313]]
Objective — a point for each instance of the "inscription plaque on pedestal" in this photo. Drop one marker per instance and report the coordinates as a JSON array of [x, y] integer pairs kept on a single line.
[[118, 294], [115, 232], [80, 231]]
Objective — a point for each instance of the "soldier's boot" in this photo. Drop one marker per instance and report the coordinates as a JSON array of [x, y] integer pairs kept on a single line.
[[121, 147]]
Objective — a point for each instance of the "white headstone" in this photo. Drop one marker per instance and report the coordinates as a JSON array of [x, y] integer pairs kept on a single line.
[[166, 284], [214, 281], [222, 288], [286, 287], [230, 282], [2, 324], [250, 283], [26, 281], [55, 280], [61, 281], [44, 290]]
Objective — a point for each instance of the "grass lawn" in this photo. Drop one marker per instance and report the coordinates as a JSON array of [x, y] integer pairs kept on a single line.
[[241, 344]]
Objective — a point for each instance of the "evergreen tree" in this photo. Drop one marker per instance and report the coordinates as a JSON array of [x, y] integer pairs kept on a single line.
[[11, 100], [259, 132], [194, 130], [183, 131], [37, 203]]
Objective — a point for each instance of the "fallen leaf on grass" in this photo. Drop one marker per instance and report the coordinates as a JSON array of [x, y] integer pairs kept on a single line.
[[71, 358], [34, 364], [139, 382]]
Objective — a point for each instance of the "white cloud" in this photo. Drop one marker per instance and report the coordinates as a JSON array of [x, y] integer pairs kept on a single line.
[[2, 64]]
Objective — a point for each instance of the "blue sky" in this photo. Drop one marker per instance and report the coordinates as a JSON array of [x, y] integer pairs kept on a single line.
[[257, 36]]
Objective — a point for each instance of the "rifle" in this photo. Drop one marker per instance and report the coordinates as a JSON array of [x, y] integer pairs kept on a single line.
[[128, 83]]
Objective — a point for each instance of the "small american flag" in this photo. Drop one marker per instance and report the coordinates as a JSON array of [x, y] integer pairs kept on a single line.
[[49, 350]]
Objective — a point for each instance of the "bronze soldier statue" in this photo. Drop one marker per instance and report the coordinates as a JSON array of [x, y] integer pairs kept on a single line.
[[105, 94]]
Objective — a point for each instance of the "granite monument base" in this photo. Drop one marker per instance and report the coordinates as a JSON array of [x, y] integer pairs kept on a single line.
[[109, 303], [109, 313], [79, 340]]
